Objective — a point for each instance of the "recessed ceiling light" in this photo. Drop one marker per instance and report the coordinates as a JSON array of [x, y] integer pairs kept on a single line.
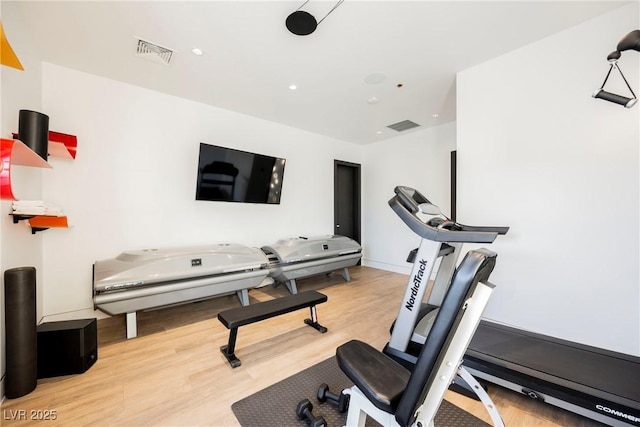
[[379, 132], [293, 87], [197, 51], [373, 100], [435, 116]]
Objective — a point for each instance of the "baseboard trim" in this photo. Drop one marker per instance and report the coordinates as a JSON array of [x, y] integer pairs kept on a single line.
[[386, 266], [86, 313]]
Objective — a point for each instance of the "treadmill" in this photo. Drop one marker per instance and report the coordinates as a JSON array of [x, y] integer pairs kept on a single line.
[[599, 384], [596, 383]]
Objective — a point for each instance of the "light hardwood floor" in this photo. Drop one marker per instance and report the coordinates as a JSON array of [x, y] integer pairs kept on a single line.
[[174, 374]]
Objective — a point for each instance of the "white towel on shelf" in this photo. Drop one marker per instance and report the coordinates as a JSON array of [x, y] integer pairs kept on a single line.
[[28, 203], [35, 207], [30, 211], [19, 205]]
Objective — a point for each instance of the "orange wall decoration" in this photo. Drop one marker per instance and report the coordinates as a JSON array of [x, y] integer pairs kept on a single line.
[[60, 144], [7, 56], [15, 152]]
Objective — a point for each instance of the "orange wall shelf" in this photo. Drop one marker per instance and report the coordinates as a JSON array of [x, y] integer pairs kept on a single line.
[[60, 144], [14, 152], [42, 222]]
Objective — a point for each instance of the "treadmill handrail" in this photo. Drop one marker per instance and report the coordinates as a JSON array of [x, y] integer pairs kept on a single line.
[[409, 202], [468, 234]]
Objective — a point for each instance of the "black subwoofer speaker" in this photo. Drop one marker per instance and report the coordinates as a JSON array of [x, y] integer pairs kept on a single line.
[[33, 130], [20, 326], [67, 347]]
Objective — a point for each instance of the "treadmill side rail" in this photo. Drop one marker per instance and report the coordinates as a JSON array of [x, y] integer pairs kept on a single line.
[[589, 381], [605, 415]]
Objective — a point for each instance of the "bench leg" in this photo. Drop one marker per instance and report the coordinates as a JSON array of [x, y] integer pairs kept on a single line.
[[229, 349], [313, 322], [360, 408]]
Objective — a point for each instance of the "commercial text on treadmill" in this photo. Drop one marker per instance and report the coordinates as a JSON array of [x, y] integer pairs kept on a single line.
[[617, 413], [417, 282]]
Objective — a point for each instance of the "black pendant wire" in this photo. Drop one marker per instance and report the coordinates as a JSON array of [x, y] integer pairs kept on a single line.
[[334, 8], [615, 65], [625, 80], [607, 77], [302, 5]]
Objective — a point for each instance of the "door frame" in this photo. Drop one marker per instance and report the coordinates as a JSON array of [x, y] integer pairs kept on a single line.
[[357, 193], [454, 184]]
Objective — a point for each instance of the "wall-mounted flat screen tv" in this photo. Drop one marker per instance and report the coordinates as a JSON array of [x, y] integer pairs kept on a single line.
[[226, 174]]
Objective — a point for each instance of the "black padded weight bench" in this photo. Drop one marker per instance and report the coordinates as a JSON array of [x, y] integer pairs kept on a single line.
[[248, 314], [395, 396]]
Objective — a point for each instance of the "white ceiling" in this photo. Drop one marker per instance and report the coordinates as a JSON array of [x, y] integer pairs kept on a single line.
[[251, 58]]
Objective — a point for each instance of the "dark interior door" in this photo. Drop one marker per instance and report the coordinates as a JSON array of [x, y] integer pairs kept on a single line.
[[347, 199]]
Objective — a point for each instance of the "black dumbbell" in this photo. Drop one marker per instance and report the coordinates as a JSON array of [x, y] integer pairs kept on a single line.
[[303, 411], [341, 400]]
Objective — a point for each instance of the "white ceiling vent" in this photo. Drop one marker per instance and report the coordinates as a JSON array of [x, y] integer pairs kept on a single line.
[[403, 125], [153, 52]]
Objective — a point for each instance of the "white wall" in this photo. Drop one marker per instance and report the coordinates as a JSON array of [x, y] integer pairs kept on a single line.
[[420, 159], [132, 185], [133, 182], [20, 90], [537, 153]]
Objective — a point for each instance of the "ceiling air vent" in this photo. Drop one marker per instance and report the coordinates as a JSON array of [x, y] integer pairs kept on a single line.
[[153, 52], [403, 125]]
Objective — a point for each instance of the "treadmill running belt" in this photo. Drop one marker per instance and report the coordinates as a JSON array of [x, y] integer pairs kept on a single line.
[[605, 371]]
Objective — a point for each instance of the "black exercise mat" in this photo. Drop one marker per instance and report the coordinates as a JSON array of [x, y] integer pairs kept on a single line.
[[275, 406]]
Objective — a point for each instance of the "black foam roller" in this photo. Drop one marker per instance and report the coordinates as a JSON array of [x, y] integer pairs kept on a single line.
[[33, 130], [21, 331]]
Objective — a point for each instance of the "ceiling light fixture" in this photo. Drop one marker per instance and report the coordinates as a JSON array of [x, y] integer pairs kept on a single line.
[[293, 87], [303, 23], [197, 51], [373, 100]]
